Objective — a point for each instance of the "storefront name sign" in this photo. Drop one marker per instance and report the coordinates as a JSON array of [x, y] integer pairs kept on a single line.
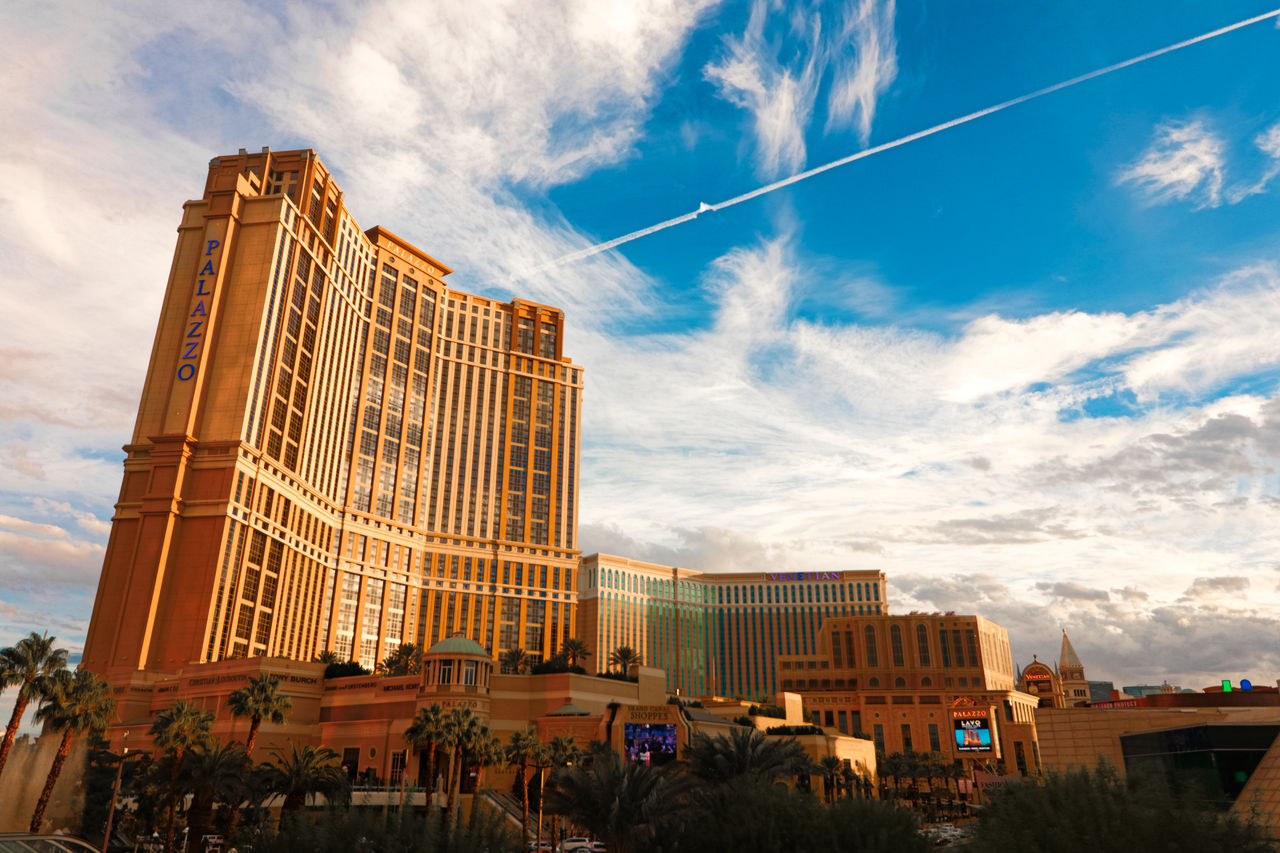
[[650, 712], [969, 713], [803, 576], [199, 316]]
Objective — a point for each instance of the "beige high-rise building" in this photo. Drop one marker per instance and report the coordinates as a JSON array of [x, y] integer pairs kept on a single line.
[[715, 633], [334, 450]]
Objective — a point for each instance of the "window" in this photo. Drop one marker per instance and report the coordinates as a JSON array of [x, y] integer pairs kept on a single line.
[[869, 642], [469, 673], [906, 737], [877, 734], [922, 644], [446, 672], [895, 645], [935, 745]]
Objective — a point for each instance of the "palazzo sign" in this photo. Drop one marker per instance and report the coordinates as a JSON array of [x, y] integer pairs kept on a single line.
[[198, 318]]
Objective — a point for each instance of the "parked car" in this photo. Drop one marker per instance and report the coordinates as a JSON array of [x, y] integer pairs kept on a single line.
[[574, 844]]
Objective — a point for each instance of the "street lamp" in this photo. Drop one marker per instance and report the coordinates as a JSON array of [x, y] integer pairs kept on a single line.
[[115, 790]]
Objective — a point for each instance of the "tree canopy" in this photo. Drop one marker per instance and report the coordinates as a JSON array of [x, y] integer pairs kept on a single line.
[[1096, 810]]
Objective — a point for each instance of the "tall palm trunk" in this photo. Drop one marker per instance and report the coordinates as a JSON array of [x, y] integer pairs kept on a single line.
[[255, 723], [454, 784], [199, 816], [15, 719], [448, 781], [431, 771], [542, 792], [64, 748], [173, 801], [524, 802]]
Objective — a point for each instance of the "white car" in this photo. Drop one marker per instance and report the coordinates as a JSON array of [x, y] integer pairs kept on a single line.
[[574, 844]]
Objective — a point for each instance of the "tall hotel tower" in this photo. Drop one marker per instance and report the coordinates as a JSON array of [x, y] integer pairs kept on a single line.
[[334, 450]]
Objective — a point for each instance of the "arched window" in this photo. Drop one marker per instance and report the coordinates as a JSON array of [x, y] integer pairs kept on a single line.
[[922, 643], [873, 682], [926, 682], [869, 641], [899, 682], [895, 645]]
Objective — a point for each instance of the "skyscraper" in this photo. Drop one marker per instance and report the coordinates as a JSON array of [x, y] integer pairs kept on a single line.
[[334, 450]]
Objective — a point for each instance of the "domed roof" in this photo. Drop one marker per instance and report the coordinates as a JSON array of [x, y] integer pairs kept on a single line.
[[458, 646]]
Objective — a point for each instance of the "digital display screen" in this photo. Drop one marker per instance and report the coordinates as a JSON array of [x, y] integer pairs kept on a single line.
[[649, 743], [973, 734]]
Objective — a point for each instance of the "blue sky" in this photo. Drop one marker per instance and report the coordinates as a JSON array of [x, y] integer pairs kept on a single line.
[[1027, 366]]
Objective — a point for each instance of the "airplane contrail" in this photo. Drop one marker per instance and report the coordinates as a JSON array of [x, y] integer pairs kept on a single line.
[[902, 140]]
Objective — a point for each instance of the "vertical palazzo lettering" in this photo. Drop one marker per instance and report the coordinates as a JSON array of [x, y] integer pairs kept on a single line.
[[195, 329]]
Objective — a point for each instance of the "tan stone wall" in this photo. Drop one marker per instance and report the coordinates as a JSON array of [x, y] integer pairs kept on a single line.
[[1078, 737]]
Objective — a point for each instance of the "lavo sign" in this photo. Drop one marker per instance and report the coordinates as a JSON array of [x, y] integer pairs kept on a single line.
[[199, 316], [804, 576]]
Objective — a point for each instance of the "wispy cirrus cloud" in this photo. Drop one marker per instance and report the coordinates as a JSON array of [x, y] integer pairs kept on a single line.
[[778, 87], [1185, 161], [864, 66], [1188, 161], [1268, 142]]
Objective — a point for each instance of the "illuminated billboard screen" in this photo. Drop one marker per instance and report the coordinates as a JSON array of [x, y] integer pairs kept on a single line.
[[973, 734], [650, 743]]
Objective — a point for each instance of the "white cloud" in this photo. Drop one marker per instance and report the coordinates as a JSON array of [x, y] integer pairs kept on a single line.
[[1187, 161], [865, 66], [789, 443], [779, 98], [1183, 162], [779, 91], [1268, 142]]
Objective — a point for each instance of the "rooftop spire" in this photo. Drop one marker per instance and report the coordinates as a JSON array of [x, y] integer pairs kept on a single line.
[[1068, 658]]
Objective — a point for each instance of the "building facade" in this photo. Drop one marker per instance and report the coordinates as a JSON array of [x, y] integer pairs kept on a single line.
[[920, 682], [334, 450], [715, 633]]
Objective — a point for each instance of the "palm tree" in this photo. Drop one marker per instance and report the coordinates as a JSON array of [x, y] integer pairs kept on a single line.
[[462, 729], [27, 664], [175, 730], [259, 701], [306, 771], [624, 804], [574, 651], [543, 759], [488, 752], [327, 657], [831, 767], [406, 659], [518, 752], [213, 773], [515, 661], [425, 733], [624, 657], [745, 752], [848, 777], [564, 753], [76, 703]]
